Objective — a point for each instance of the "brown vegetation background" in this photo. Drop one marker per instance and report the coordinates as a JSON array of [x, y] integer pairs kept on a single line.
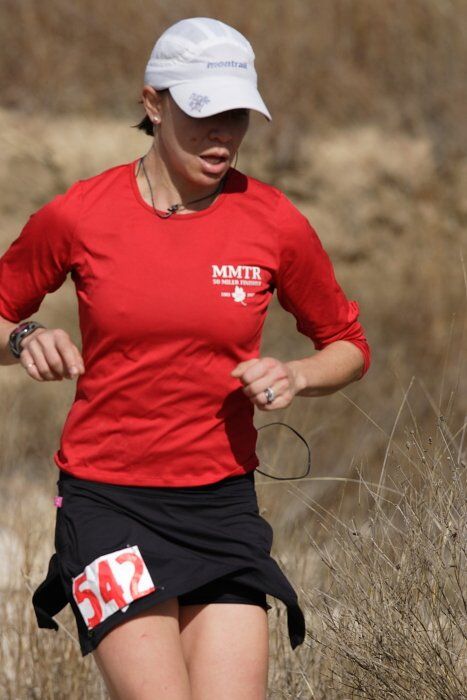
[[368, 138]]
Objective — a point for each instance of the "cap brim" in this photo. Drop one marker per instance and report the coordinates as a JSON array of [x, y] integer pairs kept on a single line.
[[203, 98]]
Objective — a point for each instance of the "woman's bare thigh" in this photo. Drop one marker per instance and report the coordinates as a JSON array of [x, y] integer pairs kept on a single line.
[[143, 659], [226, 648]]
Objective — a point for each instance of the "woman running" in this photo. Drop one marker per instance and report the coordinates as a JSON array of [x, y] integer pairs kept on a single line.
[[160, 549]]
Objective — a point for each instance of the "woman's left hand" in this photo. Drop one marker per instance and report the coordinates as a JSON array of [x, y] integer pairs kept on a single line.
[[260, 373]]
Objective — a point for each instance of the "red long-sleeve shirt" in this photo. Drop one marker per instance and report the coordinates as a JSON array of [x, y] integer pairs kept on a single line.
[[167, 308]]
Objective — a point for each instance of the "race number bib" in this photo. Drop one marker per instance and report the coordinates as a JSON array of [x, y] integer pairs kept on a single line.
[[111, 583]]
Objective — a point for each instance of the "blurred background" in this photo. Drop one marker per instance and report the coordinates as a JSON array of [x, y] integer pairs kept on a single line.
[[369, 140]]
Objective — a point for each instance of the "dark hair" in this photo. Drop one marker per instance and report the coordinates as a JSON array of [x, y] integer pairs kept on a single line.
[[146, 124]]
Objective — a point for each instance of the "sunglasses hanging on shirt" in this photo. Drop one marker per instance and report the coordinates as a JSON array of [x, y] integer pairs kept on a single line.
[[289, 478]]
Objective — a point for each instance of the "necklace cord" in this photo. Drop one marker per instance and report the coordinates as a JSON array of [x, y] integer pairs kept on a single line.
[[175, 207]]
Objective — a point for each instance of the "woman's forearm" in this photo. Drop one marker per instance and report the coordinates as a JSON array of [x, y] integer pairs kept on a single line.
[[330, 369]]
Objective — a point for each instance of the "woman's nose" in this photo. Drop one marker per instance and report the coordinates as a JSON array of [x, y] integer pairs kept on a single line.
[[222, 131], [220, 134]]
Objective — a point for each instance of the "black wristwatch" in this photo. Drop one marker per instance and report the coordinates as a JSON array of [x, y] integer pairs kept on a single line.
[[20, 332]]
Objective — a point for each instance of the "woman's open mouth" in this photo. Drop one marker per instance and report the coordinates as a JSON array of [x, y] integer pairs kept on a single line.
[[214, 164]]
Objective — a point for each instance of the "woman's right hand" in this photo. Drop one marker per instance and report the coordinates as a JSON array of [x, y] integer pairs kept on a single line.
[[48, 354]]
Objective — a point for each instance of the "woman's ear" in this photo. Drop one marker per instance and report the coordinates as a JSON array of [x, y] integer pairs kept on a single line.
[[152, 100]]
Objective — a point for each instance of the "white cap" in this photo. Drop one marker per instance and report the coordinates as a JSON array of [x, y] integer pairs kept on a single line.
[[207, 66]]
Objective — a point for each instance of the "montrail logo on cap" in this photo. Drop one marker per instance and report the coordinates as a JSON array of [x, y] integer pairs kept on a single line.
[[193, 59], [227, 64]]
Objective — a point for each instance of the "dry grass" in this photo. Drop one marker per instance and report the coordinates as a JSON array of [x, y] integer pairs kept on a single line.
[[389, 614]]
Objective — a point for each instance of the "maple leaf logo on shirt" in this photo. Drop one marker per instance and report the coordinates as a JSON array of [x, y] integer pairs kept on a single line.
[[239, 295]]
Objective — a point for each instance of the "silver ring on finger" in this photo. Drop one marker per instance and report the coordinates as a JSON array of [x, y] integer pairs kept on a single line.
[[31, 364], [270, 394]]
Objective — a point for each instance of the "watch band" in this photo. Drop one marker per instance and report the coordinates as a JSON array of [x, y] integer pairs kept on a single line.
[[20, 332]]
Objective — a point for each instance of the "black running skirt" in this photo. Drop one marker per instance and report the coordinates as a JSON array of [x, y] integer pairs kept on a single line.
[[119, 550]]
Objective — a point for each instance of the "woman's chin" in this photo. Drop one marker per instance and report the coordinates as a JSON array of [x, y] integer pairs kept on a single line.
[[204, 179]]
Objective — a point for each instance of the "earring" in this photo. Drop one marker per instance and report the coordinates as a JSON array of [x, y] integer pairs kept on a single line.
[[156, 120]]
